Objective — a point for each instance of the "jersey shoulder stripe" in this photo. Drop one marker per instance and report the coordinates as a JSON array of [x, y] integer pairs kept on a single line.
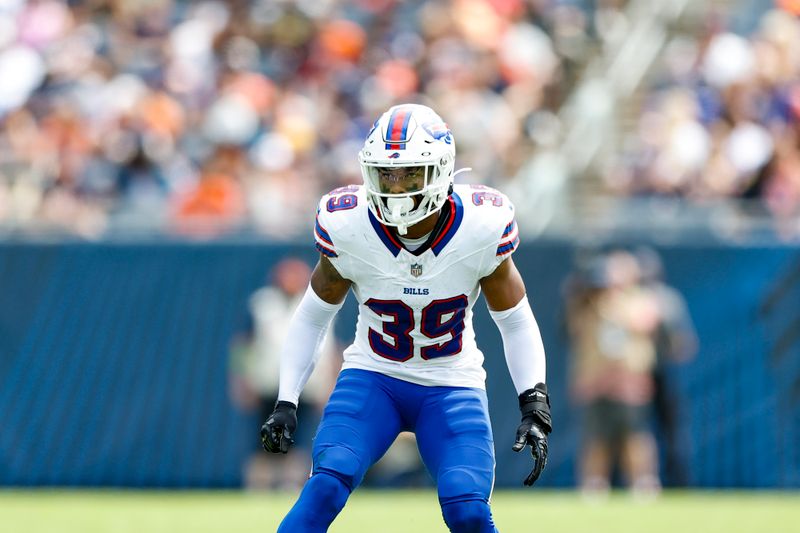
[[507, 247], [324, 243], [325, 250], [321, 233], [509, 239], [510, 227]]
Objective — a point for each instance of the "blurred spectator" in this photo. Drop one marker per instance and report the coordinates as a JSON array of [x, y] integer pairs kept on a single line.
[[113, 112], [721, 120], [612, 321], [216, 202], [255, 354], [676, 342], [209, 117]]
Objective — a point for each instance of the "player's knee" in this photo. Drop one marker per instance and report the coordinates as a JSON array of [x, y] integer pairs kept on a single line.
[[469, 516], [463, 484], [463, 494], [341, 463], [330, 495], [328, 488]]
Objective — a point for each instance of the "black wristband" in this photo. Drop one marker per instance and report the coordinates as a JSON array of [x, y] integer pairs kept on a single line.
[[283, 405], [535, 403]]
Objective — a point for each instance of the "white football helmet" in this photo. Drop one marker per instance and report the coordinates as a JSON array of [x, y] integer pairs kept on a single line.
[[408, 135]]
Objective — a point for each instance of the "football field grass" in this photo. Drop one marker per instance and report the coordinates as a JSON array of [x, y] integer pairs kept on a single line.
[[389, 512]]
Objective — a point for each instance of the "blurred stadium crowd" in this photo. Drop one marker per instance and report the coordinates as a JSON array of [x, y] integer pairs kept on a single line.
[[721, 117], [210, 117]]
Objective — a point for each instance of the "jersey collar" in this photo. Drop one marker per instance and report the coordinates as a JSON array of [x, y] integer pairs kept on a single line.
[[453, 223], [391, 242], [456, 216]]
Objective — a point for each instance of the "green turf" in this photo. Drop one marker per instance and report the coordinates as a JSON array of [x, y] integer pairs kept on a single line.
[[389, 512]]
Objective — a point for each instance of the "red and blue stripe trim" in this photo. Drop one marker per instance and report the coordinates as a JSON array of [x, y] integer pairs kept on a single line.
[[323, 240], [325, 250], [511, 227], [511, 236], [383, 233], [456, 217], [508, 247], [321, 233]]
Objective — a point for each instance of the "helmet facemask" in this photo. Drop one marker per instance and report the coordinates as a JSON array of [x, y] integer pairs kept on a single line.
[[403, 195]]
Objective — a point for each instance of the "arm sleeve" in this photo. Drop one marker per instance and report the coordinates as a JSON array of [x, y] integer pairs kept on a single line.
[[301, 350], [522, 344]]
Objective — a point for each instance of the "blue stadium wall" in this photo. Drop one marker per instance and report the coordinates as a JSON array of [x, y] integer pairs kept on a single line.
[[113, 363]]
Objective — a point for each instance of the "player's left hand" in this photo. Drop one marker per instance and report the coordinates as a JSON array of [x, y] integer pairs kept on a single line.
[[531, 434], [534, 405], [277, 433]]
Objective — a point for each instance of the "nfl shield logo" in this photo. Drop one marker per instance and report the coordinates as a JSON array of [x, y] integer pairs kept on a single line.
[[416, 270]]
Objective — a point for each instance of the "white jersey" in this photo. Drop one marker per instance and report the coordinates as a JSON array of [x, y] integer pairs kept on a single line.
[[415, 309]]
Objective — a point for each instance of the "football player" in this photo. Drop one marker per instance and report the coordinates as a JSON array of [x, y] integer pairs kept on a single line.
[[416, 251]]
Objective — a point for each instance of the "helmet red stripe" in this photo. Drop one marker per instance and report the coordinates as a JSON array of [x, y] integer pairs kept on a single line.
[[395, 127]]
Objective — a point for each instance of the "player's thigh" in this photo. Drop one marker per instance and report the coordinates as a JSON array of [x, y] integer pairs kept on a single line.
[[454, 436], [358, 425]]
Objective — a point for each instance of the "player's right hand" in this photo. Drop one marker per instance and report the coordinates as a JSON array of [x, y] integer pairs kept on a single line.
[[277, 433]]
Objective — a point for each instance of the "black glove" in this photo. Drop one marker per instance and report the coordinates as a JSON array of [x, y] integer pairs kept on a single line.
[[277, 433], [536, 425]]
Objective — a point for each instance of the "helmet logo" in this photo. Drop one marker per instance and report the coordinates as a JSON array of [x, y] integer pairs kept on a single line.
[[416, 270], [394, 155], [437, 129]]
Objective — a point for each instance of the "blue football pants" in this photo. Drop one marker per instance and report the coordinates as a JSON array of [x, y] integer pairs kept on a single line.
[[364, 415]]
